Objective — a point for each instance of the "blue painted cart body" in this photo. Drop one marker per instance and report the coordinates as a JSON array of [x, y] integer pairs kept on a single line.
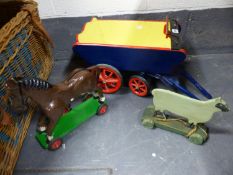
[[146, 60]]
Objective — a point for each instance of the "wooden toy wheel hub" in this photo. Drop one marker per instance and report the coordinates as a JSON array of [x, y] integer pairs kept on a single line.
[[56, 144], [110, 79], [102, 109], [138, 86]]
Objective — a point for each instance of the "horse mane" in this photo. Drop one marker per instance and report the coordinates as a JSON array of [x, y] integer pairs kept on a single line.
[[34, 83]]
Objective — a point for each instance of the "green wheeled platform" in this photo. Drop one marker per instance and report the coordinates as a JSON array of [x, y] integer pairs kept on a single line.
[[71, 120], [196, 134]]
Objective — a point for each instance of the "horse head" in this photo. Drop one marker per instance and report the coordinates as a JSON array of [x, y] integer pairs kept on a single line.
[[15, 98], [221, 105]]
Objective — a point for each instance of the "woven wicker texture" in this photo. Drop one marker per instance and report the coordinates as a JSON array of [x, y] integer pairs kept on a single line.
[[25, 50]]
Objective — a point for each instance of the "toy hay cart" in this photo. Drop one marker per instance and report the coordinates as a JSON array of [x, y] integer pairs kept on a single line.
[[146, 49]]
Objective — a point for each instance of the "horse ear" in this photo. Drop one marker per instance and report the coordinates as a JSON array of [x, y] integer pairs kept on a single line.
[[18, 78], [14, 79], [11, 83]]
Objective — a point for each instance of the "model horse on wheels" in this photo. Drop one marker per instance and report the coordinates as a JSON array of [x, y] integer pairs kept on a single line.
[[54, 100]]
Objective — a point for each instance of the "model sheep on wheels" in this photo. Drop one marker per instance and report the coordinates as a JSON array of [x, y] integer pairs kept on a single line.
[[182, 114]]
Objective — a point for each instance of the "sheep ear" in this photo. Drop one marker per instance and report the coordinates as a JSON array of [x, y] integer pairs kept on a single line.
[[222, 107]]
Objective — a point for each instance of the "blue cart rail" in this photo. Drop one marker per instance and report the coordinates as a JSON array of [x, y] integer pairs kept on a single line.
[[174, 82]]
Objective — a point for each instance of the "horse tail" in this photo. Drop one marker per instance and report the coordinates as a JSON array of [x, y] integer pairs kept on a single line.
[[73, 73], [96, 70]]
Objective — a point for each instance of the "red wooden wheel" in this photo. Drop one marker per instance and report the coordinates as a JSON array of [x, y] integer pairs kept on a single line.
[[110, 79], [67, 109], [102, 109], [56, 144], [139, 85]]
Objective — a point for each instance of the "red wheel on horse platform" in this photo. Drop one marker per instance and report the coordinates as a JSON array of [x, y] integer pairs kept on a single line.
[[68, 108], [102, 109], [55, 144], [110, 79], [139, 85]]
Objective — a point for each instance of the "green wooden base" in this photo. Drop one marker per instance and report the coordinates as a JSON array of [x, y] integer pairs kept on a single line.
[[42, 139], [72, 119], [196, 134]]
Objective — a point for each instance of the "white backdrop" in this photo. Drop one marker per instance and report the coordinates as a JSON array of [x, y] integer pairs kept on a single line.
[[77, 8]]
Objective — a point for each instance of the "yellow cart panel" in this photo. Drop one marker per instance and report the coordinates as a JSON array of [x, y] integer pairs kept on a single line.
[[125, 33]]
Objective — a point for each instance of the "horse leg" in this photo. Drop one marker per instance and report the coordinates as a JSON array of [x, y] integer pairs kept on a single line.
[[50, 127], [53, 116], [99, 94], [42, 123]]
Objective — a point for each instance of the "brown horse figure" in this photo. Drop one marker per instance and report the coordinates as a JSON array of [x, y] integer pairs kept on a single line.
[[54, 99]]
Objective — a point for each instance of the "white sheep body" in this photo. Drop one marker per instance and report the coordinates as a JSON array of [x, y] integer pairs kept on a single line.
[[195, 111]]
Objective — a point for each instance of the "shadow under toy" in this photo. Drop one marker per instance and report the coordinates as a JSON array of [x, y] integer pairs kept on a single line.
[[148, 50], [181, 114]]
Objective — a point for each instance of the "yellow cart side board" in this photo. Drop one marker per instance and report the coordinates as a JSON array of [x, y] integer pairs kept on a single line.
[[125, 33]]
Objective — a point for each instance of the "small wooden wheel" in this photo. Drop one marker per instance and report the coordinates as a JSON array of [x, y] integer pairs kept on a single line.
[[139, 85], [55, 144], [110, 79], [148, 123], [102, 109], [68, 108], [196, 138]]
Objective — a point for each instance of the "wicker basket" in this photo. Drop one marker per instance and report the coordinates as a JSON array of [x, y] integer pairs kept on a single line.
[[25, 49]]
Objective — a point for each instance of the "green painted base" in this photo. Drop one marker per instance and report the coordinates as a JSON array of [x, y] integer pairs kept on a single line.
[[71, 120], [42, 139], [196, 134]]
